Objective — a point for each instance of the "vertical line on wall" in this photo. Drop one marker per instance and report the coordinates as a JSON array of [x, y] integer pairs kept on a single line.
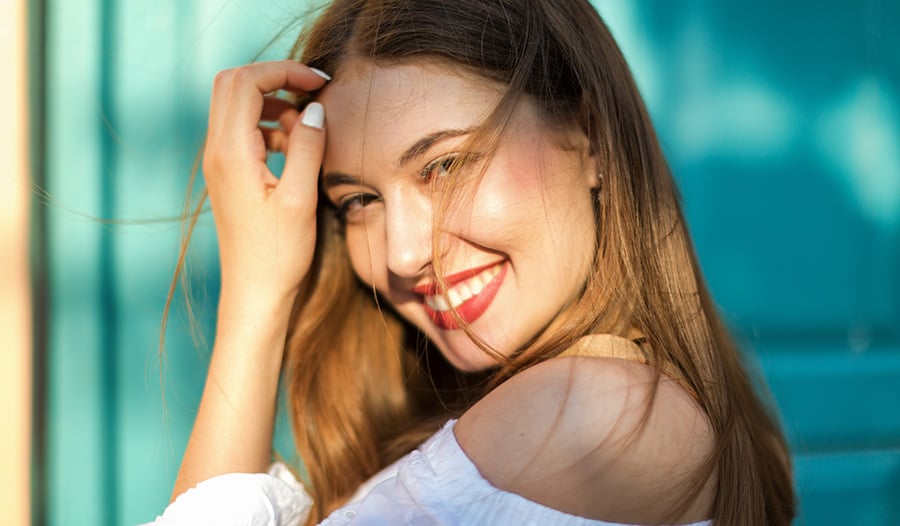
[[39, 254], [108, 304]]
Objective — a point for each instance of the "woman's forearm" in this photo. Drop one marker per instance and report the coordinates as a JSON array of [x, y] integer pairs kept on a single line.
[[234, 425]]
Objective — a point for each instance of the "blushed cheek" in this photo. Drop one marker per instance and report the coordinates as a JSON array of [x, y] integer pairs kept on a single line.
[[510, 196]]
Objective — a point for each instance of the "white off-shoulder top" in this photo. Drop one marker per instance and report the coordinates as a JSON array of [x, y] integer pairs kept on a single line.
[[437, 484]]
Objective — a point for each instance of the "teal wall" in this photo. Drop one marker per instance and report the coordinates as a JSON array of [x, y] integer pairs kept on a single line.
[[782, 123]]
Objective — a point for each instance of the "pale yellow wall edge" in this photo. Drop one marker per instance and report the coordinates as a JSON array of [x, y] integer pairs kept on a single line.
[[15, 302]]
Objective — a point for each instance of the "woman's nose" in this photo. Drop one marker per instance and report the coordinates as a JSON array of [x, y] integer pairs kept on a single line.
[[408, 236]]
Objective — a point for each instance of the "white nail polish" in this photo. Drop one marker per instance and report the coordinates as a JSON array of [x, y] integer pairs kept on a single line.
[[321, 73], [314, 115]]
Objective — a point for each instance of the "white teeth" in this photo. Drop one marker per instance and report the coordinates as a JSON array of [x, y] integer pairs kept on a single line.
[[463, 292], [455, 298], [437, 303]]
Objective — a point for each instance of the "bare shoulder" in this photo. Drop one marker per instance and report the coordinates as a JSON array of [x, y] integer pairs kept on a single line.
[[569, 430]]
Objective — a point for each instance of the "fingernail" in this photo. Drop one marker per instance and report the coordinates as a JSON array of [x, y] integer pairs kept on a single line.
[[321, 73], [314, 115]]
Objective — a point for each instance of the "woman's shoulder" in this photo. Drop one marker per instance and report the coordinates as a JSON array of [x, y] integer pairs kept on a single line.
[[574, 427]]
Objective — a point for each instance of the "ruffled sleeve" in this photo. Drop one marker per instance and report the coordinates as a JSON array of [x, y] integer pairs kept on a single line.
[[437, 484], [259, 499]]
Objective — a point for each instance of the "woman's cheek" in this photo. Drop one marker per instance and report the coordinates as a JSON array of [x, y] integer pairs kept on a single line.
[[509, 199], [363, 253]]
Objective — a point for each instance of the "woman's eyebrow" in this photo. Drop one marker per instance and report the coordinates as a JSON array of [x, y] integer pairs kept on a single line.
[[425, 143], [332, 179]]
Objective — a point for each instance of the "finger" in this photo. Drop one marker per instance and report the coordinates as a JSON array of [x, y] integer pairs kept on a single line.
[[306, 145], [289, 119], [276, 138], [274, 107], [221, 92], [274, 135], [251, 82]]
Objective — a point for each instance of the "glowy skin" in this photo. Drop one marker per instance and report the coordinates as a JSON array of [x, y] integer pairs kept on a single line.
[[529, 221]]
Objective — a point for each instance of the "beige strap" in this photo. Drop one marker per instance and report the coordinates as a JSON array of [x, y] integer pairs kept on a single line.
[[607, 346]]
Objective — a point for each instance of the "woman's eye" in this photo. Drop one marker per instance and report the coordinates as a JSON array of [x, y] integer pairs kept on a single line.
[[439, 167], [351, 206]]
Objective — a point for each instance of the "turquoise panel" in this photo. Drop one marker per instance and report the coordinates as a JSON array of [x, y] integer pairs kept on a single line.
[[782, 123], [834, 399], [128, 89], [75, 457], [857, 488]]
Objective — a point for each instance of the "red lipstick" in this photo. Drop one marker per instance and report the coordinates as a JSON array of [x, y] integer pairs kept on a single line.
[[470, 309], [432, 289]]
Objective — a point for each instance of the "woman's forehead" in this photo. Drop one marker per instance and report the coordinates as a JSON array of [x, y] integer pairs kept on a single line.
[[413, 93], [385, 109]]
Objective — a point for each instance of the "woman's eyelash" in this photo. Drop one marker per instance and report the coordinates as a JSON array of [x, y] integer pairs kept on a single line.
[[446, 162], [353, 203], [443, 163]]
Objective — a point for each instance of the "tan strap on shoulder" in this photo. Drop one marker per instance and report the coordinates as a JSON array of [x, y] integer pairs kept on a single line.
[[607, 346]]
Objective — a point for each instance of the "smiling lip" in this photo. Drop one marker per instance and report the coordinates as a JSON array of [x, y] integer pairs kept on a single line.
[[470, 292]]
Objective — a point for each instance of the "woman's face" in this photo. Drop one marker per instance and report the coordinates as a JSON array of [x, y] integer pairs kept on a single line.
[[515, 247]]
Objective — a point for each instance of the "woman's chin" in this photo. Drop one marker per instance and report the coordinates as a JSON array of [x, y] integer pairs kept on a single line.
[[466, 356]]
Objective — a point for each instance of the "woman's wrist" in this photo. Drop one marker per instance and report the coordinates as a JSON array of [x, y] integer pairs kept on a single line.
[[244, 305], [254, 323]]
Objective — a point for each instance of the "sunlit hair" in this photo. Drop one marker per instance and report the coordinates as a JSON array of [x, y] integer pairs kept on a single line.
[[363, 387]]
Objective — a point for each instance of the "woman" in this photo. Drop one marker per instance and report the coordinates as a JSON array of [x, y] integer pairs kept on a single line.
[[480, 246]]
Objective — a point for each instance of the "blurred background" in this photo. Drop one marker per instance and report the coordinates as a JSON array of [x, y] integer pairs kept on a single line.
[[781, 121]]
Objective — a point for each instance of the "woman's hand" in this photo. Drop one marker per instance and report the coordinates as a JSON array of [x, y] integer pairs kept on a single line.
[[266, 229], [266, 225]]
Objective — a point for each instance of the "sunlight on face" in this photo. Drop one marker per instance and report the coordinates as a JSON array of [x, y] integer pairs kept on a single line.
[[513, 256]]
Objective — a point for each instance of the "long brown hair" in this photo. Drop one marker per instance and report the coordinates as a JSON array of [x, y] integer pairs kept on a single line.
[[362, 385]]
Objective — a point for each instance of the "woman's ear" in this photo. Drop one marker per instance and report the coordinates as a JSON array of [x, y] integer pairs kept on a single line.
[[591, 164], [593, 171], [595, 178]]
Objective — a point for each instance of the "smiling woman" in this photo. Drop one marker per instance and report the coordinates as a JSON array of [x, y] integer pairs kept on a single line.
[[506, 282], [476, 279]]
